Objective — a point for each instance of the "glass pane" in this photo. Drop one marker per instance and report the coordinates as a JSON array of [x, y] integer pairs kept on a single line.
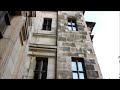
[[73, 23], [69, 28], [80, 66], [45, 65], [36, 75], [49, 21], [74, 28], [44, 75], [44, 27], [38, 66], [45, 21], [81, 75], [48, 27], [74, 68], [69, 23], [75, 76]]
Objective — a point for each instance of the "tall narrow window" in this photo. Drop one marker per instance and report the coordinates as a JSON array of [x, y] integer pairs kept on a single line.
[[23, 35], [47, 24], [23, 31], [72, 24], [41, 68], [7, 19], [21, 38], [78, 68]]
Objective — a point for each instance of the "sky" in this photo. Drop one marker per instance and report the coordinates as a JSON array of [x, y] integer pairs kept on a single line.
[[106, 41]]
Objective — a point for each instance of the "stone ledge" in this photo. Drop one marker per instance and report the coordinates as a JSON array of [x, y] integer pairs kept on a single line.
[[42, 34], [36, 55], [42, 46], [40, 49]]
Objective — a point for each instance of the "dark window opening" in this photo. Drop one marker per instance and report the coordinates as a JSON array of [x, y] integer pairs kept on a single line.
[[30, 13], [78, 68], [26, 14], [7, 19], [1, 36], [41, 68], [24, 33], [92, 36], [21, 38], [47, 24], [4, 21], [26, 28], [10, 15], [14, 13], [72, 24]]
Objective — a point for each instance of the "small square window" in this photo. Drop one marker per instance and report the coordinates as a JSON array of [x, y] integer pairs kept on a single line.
[[72, 24]]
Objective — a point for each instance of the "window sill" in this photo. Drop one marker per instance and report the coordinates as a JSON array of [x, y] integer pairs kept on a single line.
[[70, 31]]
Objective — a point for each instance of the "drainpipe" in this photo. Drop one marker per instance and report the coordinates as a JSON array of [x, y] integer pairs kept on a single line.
[[57, 47]]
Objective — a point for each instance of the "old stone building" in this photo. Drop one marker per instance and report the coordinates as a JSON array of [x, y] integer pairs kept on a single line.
[[47, 45]]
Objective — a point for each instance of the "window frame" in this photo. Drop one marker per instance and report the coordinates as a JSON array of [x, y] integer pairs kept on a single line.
[[40, 70], [76, 60], [71, 21], [46, 25]]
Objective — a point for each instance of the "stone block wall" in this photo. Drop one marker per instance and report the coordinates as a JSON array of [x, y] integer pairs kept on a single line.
[[18, 61], [74, 44]]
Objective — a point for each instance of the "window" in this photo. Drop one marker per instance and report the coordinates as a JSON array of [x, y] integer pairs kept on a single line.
[[4, 21], [21, 38], [23, 35], [78, 68], [47, 24], [72, 25], [41, 68], [91, 37], [23, 31], [7, 19], [32, 14], [26, 27]]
